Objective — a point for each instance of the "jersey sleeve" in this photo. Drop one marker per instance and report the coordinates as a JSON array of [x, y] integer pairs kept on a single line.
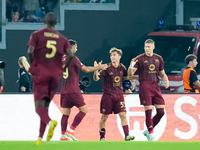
[[33, 39], [77, 63], [102, 73], [193, 76], [125, 71], [161, 67]]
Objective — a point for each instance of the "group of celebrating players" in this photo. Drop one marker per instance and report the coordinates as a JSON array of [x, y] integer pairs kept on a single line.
[[52, 55]]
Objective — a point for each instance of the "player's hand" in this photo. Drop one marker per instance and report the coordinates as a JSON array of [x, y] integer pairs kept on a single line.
[[133, 62], [95, 64], [23, 89], [104, 66], [166, 85]]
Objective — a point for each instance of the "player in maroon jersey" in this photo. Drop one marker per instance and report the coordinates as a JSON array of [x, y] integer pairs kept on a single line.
[[112, 99], [71, 94], [45, 51], [150, 66]]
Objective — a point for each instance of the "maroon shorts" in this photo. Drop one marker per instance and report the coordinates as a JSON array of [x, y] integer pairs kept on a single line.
[[44, 87], [110, 104], [150, 93], [69, 100]]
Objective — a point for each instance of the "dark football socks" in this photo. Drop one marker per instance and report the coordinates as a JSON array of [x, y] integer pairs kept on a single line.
[[102, 133], [158, 116], [126, 130], [78, 118], [64, 122], [149, 122], [42, 129], [43, 113]]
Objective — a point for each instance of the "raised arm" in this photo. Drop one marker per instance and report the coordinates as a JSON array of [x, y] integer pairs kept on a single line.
[[96, 76], [131, 69]]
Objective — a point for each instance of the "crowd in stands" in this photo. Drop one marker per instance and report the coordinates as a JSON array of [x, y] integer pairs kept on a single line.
[[90, 1], [30, 10]]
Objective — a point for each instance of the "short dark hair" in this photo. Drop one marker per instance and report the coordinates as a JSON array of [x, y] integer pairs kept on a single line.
[[190, 57], [50, 19], [72, 42]]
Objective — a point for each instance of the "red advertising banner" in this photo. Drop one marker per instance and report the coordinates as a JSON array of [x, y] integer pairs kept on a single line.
[[180, 122]]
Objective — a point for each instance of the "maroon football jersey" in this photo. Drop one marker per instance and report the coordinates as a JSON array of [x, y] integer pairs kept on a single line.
[[50, 47], [112, 79], [70, 83], [149, 67]]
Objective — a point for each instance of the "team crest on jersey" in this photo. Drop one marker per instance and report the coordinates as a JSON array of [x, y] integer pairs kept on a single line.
[[157, 60], [152, 67], [117, 79], [111, 73], [145, 61]]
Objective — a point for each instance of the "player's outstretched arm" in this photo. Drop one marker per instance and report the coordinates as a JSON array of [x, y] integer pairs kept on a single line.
[[164, 78], [95, 68], [31, 53], [70, 56], [134, 77]]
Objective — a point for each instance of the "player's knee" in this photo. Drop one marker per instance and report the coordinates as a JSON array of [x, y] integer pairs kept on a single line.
[[104, 118], [160, 112], [123, 116]]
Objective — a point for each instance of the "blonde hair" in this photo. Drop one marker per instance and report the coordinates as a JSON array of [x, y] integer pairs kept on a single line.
[[150, 41], [23, 61], [119, 51]]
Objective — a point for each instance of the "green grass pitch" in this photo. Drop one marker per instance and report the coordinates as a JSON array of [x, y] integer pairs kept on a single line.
[[99, 145]]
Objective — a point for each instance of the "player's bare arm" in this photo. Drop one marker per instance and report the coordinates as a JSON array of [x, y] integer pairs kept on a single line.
[[96, 76], [31, 53], [70, 56], [164, 78], [197, 83], [134, 77], [92, 69]]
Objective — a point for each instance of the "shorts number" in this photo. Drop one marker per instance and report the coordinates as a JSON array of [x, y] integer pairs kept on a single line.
[[51, 44], [122, 104], [65, 74]]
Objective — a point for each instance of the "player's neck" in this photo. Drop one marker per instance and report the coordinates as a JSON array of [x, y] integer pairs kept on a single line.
[[49, 27], [191, 66], [115, 64], [149, 54]]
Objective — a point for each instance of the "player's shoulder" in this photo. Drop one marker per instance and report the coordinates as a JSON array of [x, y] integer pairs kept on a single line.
[[140, 56], [109, 65], [156, 55], [122, 66]]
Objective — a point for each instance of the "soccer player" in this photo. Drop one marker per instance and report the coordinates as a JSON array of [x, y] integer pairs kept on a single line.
[[112, 99], [190, 80], [46, 49], [71, 94], [150, 66]]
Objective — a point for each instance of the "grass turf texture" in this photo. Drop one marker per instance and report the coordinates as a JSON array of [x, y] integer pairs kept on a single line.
[[99, 145]]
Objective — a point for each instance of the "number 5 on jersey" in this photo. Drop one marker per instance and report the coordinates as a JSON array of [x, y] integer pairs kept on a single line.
[[51, 45]]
